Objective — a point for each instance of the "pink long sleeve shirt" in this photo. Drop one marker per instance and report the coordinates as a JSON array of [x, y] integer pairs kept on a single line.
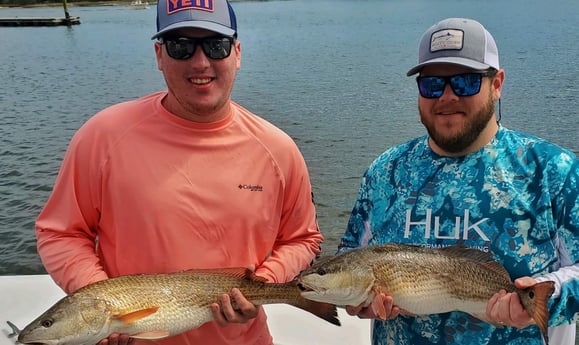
[[141, 190]]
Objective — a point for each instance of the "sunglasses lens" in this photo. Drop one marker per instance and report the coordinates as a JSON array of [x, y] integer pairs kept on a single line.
[[217, 48], [182, 48], [467, 84], [431, 87], [179, 48]]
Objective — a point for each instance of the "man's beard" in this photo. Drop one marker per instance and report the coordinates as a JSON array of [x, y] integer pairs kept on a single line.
[[468, 134]]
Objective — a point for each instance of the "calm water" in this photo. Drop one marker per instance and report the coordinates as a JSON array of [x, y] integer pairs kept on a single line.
[[330, 73]]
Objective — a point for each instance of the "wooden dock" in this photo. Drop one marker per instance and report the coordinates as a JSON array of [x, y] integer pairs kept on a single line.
[[31, 21]]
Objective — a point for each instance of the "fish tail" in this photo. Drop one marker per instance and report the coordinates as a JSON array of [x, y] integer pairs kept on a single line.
[[542, 292], [326, 311], [15, 329]]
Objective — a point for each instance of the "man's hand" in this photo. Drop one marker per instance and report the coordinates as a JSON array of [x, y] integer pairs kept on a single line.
[[224, 313], [117, 339], [382, 307], [506, 309]]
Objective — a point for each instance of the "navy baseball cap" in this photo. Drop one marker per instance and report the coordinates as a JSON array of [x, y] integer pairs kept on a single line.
[[213, 15], [457, 41]]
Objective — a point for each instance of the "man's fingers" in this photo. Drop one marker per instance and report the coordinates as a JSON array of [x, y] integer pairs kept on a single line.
[[382, 307], [525, 282], [490, 305], [224, 311], [217, 315], [227, 308], [125, 339], [244, 306], [519, 317], [117, 339]]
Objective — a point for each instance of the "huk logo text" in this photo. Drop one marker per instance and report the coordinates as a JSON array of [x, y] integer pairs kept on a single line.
[[462, 227]]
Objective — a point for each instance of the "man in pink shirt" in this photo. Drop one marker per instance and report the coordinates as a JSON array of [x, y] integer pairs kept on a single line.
[[182, 179]]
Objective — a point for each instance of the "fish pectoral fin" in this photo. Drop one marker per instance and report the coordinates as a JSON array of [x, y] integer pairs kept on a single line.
[[136, 315], [151, 335]]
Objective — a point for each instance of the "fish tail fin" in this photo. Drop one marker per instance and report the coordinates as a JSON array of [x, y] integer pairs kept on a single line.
[[15, 329], [540, 294], [326, 311]]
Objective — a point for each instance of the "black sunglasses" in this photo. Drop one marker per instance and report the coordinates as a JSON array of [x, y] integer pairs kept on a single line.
[[182, 48], [466, 84]]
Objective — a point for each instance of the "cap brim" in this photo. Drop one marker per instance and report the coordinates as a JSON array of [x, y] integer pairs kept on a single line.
[[217, 28], [449, 60]]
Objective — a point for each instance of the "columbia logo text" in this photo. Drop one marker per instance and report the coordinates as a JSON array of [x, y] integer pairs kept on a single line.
[[251, 188]]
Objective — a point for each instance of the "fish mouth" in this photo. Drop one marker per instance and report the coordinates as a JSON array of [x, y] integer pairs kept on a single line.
[[304, 287]]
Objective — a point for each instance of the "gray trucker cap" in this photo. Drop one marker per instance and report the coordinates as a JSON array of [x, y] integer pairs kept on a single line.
[[457, 41]]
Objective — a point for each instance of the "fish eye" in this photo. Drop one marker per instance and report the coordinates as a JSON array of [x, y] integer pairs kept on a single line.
[[47, 323], [321, 271], [531, 294]]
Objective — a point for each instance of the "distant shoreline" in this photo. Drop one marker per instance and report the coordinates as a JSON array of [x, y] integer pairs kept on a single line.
[[82, 3], [69, 4]]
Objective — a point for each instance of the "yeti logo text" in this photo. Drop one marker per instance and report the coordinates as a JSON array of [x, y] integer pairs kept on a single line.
[[179, 5], [428, 225]]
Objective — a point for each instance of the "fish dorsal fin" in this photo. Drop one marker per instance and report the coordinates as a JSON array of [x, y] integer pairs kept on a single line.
[[472, 254], [235, 272], [151, 335], [499, 269], [135, 315]]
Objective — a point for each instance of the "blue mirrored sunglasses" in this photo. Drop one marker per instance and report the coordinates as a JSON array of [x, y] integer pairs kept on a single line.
[[466, 84]]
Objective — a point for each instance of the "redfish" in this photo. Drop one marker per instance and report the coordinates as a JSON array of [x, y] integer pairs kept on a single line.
[[156, 306], [421, 280]]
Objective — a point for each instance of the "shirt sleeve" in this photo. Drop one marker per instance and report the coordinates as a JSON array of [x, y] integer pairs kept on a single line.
[[299, 238], [65, 228], [358, 231], [564, 305]]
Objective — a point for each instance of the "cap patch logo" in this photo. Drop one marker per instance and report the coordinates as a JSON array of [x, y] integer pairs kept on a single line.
[[447, 39], [180, 5]]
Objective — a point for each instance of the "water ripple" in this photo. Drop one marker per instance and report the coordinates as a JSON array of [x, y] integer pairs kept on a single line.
[[330, 73]]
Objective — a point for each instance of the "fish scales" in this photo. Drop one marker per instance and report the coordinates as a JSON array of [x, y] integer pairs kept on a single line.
[[414, 278], [155, 306], [179, 295], [420, 280]]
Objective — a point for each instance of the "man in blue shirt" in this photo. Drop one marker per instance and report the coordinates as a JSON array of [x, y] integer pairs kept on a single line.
[[471, 181]]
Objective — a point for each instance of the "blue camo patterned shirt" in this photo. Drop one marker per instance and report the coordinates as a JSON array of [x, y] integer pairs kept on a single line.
[[516, 197]]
